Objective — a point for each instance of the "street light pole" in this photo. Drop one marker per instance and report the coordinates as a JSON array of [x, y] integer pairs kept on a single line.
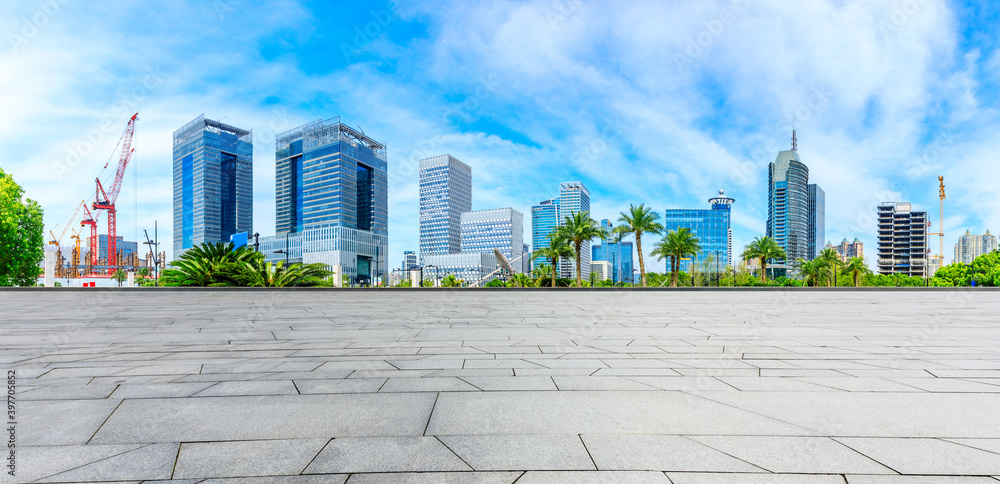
[[718, 274]]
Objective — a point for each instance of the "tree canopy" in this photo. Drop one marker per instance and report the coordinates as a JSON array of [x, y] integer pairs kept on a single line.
[[21, 235]]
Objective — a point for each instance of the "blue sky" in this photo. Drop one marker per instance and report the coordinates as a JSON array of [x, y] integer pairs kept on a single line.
[[661, 103]]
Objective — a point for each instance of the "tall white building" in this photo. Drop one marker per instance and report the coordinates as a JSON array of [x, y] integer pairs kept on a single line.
[[445, 193], [971, 246], [499, 228]]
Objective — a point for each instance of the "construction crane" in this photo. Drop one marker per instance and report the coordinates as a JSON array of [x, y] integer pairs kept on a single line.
[[74, 270], [940, 234], [106, 199], [90, 220], [58, 240]]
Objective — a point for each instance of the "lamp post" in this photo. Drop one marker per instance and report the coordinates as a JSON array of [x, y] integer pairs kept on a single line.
[[279, 251], [435, 273]]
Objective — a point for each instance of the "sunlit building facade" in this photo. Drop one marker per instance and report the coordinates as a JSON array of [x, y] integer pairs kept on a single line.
[[212, 183], [445, 194]]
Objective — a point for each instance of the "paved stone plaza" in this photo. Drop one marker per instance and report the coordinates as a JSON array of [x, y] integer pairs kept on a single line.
[[537, 386]]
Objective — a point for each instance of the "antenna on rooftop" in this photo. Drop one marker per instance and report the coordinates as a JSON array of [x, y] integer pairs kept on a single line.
[[795, 142]]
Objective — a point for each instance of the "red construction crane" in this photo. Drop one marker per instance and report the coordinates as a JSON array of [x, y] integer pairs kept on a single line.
[[91, 221], [106, 200]]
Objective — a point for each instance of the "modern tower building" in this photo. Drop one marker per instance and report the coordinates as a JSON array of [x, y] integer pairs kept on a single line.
[[445, 194], [817, 220], [788, 205], [332, 200], [213, 183], [544, 219], [628, 262], [902, 240], [549, 214], [618, 256], [971, 246], [409, 260], [500, 228], [713, 229]]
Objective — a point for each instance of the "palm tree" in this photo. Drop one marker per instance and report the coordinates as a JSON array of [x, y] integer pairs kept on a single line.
[[541, 270], [451, 281], [764, 249], [558, 249], [208, 264], [832, 259], [521, 280], [258, 273], [676, 245], [120, 276], [578, 228], [856, 267], [640, 220], [812, 270]]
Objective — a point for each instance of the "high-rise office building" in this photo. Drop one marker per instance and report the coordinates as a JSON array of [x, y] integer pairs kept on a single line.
[[971, 246], [817, 220], [712, 228], [212, 183], [902, 240], [574, 198], [846, 250], [549, 214], [628, 262], [409, 259], [619, 256], [332, 200], [544, 219], [788, 205], [500, 228], [445, 194]]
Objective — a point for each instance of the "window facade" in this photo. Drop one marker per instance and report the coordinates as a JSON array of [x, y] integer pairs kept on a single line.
[[445, 193], [500, 229], [212, 183]]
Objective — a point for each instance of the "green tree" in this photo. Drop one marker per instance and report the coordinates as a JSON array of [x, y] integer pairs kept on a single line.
[[451, 281], [813, 270], [558, 249], [540, 271], [578, 228], [637, 221], [764, 249], [677, 245], [857, 268], [21, 235]]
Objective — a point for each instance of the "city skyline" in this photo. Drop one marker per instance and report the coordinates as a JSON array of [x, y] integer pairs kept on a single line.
[[868, 141]]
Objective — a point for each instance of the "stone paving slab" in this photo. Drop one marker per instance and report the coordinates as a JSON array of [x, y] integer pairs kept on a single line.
[[681, 387]]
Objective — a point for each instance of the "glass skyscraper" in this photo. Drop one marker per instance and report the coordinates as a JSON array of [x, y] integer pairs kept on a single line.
[[501, 229], [614, 254], [713, 230], [332, 200], [788, 205], [549, 214], [445, 193], [817, 220], [212, 183], [544, 219]]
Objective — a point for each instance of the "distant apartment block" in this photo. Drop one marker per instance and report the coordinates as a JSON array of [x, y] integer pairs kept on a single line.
[[846, 250], [713, 229], [212, 183], [971, 246], [332, 200], [902, 240], [602, 269], [500, 228], [445, 194]]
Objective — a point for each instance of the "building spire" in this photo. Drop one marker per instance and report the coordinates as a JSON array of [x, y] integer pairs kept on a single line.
[[795, 142]]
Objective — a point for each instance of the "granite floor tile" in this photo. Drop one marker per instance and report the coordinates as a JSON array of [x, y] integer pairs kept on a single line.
[[639, 452], [385, 454], [246, 458], [520, 452]]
